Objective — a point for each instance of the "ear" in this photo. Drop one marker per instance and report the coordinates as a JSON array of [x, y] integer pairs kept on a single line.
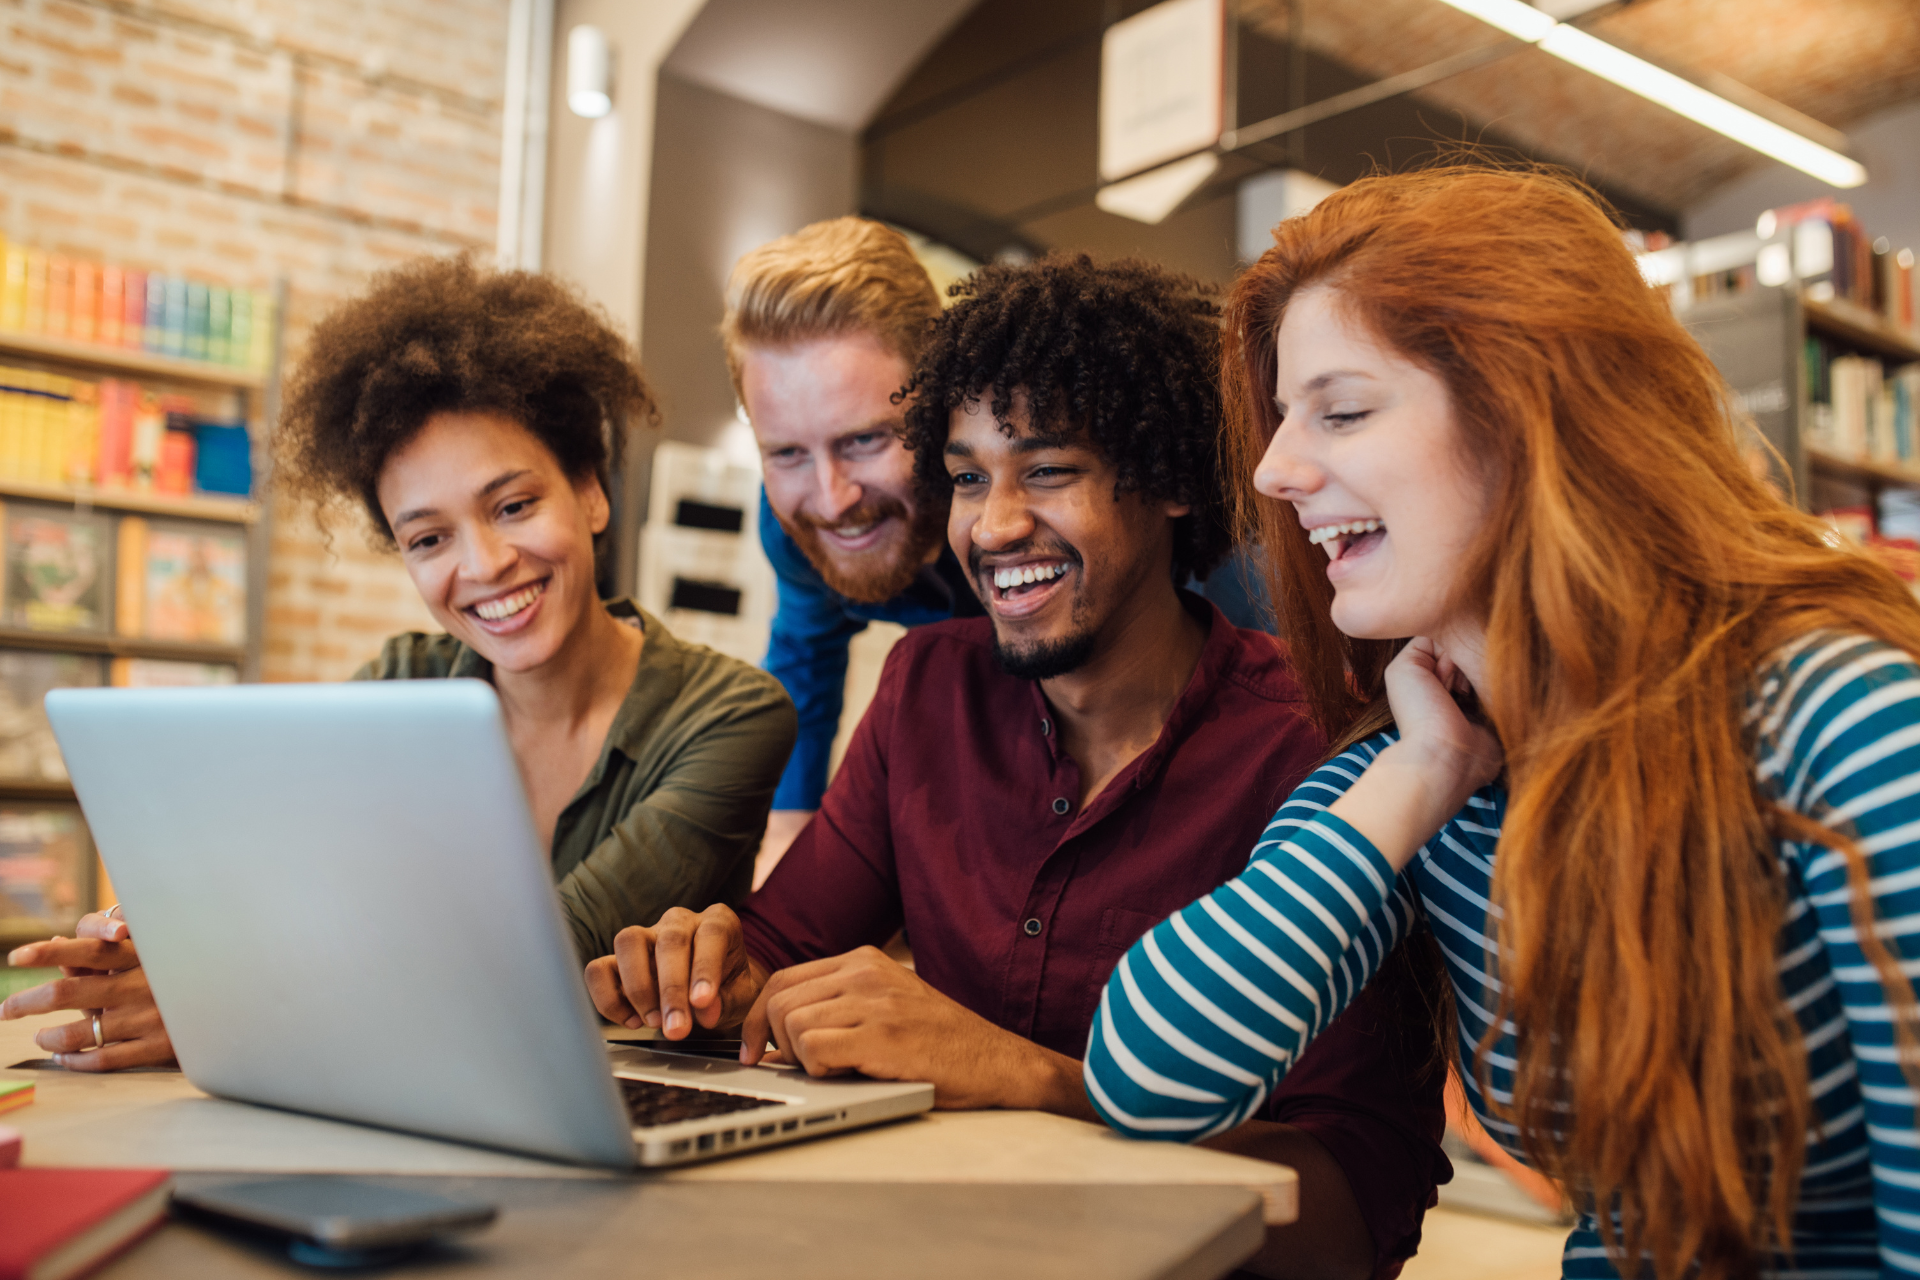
[[594, 499]]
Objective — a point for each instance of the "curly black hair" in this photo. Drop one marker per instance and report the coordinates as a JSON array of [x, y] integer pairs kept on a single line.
[[1124, 351], [444, 335]]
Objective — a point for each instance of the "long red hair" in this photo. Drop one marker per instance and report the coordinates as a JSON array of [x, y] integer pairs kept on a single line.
[[1633, 576]]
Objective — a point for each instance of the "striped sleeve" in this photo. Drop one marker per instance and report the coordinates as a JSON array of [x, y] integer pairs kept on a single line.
[[1204, 1016], [1840, 743]]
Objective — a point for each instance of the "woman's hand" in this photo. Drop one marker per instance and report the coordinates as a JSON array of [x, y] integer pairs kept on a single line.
[[1460, 756], [100, 970], [1410, 791]]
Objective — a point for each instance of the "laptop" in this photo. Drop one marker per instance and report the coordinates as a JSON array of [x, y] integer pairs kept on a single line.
[[343, 909]]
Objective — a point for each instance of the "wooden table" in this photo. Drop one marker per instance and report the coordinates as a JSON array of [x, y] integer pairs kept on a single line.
[[995, 1193]]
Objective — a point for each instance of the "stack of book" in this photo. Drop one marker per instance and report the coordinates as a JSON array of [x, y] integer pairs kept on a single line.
[[1837, 258], [116, 434], [1858, 408], [55, 296]]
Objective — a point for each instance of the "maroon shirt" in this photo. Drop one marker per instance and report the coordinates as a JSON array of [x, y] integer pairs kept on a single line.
[[954, 816]]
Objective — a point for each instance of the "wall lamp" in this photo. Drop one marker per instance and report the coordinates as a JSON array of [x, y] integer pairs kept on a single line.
[[589, 72], [1610, 62]]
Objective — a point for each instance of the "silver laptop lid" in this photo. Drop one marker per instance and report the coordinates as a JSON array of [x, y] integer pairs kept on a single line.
[[343, 908]]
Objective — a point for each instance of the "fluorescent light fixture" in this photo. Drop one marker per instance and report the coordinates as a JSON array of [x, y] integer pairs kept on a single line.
[[589, 72], [1149, 197], [1517, 19], [1676, 94]]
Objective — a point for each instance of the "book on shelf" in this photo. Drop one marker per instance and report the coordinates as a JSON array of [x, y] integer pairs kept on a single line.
[[133, 322], [59, 297], [46, 868], [104, 304], [181, 582], [58, 563], [173, 317], [117, 434], [154, 323], [28, 750], [113, 306], [1858, 407], [13, 287]]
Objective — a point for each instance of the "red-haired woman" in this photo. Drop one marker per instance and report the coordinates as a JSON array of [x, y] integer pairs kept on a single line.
[[1494, 473]]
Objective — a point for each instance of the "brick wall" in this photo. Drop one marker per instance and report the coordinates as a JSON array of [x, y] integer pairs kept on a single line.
[[249, 141]]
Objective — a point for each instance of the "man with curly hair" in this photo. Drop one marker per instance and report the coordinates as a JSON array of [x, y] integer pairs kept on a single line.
[[1031, 791]]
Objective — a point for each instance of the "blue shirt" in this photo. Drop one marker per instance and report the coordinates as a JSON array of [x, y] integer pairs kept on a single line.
[[812, 626], [1209, 1010]]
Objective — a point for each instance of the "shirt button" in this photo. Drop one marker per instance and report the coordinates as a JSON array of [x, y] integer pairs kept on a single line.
[[1046, 726], [1060, 804], [1031, 928]]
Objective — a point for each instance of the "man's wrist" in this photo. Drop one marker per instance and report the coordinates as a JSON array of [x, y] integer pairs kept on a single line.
[[1038, 1079]]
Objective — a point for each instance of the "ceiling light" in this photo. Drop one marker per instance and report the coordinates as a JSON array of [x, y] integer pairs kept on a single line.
[[589, 72], [1611, 62], [1512, 16], [1149, 197]]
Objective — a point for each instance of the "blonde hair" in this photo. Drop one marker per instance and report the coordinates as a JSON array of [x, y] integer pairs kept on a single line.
[[845, 275]]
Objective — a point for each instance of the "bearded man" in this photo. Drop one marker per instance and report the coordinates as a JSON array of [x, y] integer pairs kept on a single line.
[[822, 331]]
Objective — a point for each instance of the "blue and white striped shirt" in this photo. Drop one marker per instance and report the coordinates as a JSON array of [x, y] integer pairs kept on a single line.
[[1207, 1011]]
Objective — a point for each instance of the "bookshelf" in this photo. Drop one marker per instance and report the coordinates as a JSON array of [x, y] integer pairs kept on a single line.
[[125, 360], [1854, 326], [209, 543], [1758, 339]]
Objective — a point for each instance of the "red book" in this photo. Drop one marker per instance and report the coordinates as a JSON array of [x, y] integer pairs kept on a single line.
[[175, 472], [133, 320], [113, 306], [118, 403], [59, 1223]]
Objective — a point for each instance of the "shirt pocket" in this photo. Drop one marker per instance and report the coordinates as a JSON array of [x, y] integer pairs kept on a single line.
[[1119, 930]]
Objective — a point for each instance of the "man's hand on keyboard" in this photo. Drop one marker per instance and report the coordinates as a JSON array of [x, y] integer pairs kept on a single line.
[[866, 1012], [689, 968]]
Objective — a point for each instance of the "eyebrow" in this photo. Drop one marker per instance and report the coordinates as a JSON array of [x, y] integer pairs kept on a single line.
[[887, 425], [1022, 445], [1322, 381], [500, 481]]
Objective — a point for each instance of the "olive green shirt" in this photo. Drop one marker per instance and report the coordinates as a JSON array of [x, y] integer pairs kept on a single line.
[[673, 811]]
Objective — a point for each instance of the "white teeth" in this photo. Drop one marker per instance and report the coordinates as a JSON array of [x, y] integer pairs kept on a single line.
[[853, 530], [507, 606], [1025, 574], [1352, 528]]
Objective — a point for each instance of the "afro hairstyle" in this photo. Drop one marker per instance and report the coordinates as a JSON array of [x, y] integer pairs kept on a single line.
[[443, 335], [1124, 352]]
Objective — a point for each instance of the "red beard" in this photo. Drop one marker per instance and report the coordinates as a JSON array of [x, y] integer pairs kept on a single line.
[[882, 572]]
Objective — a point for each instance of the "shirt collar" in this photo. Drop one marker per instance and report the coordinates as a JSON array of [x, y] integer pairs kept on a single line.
[[1219, 654], [655, 683]]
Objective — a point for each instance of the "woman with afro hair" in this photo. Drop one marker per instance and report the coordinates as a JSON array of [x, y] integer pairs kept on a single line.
[[476, 417]]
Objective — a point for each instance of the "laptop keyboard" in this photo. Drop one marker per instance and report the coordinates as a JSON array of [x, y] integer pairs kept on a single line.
[[650, 1103]]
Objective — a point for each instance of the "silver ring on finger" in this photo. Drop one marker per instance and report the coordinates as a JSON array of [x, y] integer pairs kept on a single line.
[[111, 911], [99, 1041]]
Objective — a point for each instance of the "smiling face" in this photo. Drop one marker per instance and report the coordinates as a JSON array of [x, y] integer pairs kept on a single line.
[[1371, 458], [836, 476], [497, 538], [1059, 560]]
